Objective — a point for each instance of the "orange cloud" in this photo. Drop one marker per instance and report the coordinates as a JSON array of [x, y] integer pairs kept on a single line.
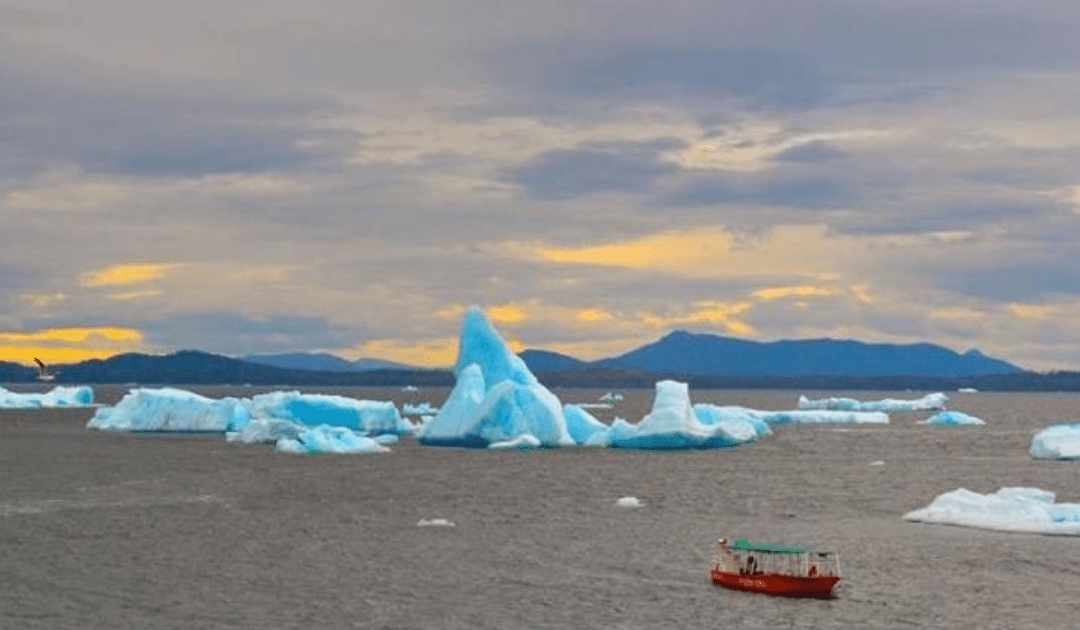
[[125, 274], [68, 345], [434, 353]]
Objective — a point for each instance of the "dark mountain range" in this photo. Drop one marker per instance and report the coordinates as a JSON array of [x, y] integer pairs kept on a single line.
[[702, 360], [543, 361], [194, 367], [323, 362], [687, 353]]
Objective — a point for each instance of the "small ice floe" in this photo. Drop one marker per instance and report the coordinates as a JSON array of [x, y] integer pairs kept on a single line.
[[599, 405], [888, 405], [878, 463], [611, 397], [81, 396], [953, 418], [1058, 441], [410, 388], [1028, 510], [967, 390], [435, 522], [419, 409], [629, 502]]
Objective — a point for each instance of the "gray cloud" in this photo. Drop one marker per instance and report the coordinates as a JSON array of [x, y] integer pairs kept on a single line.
[[771, 188], [58, 110], [567, 173], [237, 334], [815, 151], [759, 77]]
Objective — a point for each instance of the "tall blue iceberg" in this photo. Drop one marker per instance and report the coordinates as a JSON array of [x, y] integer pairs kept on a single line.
[[497, 401]]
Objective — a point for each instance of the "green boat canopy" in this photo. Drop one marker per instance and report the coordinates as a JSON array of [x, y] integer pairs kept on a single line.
[[743, 544]]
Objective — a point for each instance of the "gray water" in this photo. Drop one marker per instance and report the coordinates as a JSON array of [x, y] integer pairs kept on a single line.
[[114, 531]]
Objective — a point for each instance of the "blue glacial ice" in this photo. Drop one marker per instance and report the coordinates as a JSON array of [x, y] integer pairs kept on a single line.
[[82, 396], [888, 405], [1029, 510], [296, 422], [581, 424], [1058, 441], [496, 401], [277, 415], [674, 424], [953, 418], [169, 409]]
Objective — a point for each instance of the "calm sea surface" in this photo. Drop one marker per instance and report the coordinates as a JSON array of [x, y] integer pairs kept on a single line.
[[116, 531]]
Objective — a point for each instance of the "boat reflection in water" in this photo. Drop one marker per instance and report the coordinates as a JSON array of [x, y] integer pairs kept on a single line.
[[775, 570]]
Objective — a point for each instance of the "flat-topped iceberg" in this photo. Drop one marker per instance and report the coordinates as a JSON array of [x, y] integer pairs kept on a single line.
[[953, 418], [1028, 510], [888, 405], [1058, 441], [673, 423], [81, 396], [496, 401], [169, 409]]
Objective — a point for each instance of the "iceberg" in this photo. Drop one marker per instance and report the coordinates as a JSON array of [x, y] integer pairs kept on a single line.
[[888, 405], [496, 401], [81, 396], [295, 422], [953, 418], [1027, 510], [169, 409], [1058, 441], [673, 423]]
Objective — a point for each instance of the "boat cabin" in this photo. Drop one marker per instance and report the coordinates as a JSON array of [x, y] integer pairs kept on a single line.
[[775, 569]]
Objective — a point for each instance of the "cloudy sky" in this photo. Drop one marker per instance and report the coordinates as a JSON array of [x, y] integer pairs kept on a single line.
[[349, 175]]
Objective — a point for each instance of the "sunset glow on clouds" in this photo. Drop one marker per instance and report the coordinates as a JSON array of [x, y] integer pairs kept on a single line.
[[349, 177]]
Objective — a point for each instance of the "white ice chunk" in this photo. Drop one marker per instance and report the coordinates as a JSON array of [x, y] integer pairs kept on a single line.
[[81, 396], [827, 416], [434, 522], [927, 402], [1029, 510], [524, 440], [329, 439], [1058, 441], [629, 502], [953, 418], [419, 409]]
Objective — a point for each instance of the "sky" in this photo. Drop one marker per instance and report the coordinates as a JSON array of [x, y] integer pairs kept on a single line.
[[348, 176]]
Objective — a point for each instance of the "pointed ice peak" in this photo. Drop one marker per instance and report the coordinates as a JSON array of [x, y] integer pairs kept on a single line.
[[481, 344]]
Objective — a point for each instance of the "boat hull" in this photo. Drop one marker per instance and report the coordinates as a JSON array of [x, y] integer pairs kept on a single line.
[[819, 587]]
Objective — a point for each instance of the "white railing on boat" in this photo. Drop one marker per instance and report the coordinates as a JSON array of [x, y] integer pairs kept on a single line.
[[794, 562]]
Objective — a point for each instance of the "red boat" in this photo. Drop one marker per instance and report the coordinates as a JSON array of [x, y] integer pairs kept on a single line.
[[775, 570]]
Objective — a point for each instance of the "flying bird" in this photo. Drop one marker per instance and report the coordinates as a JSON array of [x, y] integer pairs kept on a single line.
[[43, 372]]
